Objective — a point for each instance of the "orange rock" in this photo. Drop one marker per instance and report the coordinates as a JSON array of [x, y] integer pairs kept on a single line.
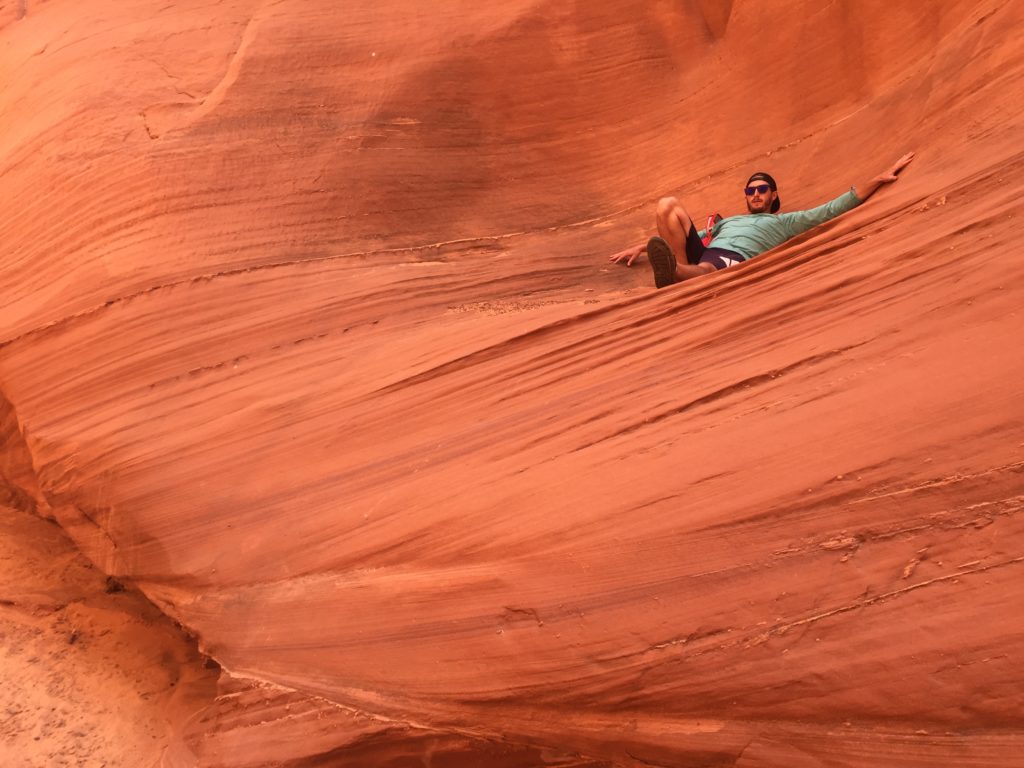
[[308, 330]]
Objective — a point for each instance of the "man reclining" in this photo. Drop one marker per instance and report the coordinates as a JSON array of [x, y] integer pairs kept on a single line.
[[679, 252]]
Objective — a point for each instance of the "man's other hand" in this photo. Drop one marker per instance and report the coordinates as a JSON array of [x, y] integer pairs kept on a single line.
[[629, 255]]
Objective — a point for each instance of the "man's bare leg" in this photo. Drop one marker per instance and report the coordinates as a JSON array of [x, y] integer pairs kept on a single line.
[[674, 225], [686, 271]]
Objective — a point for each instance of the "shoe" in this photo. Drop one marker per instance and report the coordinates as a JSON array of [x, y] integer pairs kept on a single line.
[[662, 262]]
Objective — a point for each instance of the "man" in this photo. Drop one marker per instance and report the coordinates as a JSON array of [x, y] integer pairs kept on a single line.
[[679, 252]]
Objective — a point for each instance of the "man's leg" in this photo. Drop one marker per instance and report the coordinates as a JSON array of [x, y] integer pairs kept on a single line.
[[686, 271], [674, 224], [667, 269], [676, 227]]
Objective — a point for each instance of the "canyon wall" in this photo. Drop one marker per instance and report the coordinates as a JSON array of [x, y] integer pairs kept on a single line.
[[308, 330]]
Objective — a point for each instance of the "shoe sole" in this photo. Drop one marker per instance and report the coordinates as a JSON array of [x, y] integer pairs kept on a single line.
[[662, 262]]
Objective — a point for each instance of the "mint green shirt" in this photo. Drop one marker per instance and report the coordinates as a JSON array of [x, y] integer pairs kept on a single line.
[[754, 233]]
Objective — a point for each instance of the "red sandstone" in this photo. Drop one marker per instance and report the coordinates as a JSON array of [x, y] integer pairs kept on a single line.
[[308, 331]]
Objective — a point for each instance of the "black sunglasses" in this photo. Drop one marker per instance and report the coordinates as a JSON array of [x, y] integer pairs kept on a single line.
[[760, 189]]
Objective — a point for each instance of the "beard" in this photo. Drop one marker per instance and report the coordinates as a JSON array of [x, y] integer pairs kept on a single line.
[[762, 207]]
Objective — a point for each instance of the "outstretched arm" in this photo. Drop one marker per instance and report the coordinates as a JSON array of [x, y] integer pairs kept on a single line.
[[866, 190]]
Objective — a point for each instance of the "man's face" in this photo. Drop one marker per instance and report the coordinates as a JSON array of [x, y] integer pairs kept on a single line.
[[759, 196]]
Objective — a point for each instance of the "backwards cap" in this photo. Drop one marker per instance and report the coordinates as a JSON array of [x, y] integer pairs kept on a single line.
[[762, 176]]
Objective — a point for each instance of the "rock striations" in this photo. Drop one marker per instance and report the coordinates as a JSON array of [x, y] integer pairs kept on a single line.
[[307, 330]]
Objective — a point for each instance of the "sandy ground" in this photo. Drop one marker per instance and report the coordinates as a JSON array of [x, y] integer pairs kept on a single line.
[[92, 674]]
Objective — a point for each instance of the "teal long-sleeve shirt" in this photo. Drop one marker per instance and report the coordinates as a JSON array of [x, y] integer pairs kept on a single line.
[[754, 233]]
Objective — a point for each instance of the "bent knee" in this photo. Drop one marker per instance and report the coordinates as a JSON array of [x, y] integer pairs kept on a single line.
[[667, 204]]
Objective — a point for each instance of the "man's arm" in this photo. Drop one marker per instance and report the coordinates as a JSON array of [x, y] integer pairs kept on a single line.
[[867, 189], [798, 222]]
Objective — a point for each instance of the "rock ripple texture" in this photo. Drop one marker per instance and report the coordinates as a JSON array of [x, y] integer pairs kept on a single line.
[[308, 331]]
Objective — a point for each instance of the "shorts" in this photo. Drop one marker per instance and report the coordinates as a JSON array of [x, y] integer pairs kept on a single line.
[[720, 258], [698, 253]]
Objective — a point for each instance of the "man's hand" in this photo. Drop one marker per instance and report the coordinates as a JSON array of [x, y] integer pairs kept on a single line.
[[864, 191], [889, 176], [629, 255]]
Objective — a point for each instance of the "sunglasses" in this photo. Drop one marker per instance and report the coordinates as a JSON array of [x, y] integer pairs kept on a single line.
[[761, 189]]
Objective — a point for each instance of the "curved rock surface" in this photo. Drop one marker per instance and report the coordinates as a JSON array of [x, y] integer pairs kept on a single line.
[[308, 331]]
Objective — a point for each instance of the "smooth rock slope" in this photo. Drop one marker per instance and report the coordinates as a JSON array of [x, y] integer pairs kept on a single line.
[[308, 330]]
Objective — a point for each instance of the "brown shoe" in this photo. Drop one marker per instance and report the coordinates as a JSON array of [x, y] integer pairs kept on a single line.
[[662, 262]]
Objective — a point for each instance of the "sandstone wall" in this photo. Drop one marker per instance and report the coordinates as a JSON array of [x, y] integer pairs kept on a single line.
[[308, 330]]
